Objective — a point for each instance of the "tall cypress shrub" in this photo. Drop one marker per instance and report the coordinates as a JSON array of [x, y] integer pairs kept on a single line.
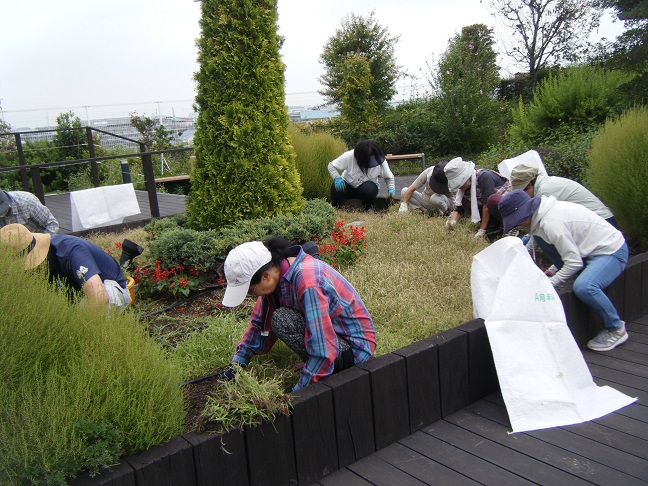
[[245, 165]]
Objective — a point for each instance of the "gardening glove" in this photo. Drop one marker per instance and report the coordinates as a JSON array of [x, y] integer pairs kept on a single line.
[[451, 223], [339, 184], [481, 234], [391, 192], [403, 208], [229, 372]]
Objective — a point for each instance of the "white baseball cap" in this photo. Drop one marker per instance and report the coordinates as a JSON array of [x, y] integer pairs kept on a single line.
[[240, 266]]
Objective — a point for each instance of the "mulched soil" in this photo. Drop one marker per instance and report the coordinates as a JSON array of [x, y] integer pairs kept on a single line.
[[176, 318]]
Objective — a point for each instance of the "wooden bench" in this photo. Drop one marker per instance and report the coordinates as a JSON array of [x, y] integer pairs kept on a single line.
[[184, 177], [407, 157]]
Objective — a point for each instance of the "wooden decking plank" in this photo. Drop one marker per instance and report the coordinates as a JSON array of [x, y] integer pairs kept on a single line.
[[618, 362], [343, 477], [551, 455], [169, 204], [421, 467], [378, 472], [498, 453], [461, 461], [606, 456], [618, 377]]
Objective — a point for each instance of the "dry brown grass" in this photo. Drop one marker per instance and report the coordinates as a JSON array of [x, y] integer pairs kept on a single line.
[[414, 276]]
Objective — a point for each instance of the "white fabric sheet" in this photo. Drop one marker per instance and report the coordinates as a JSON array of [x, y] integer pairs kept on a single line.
[[102, 206], [531, 158], [544, 379]]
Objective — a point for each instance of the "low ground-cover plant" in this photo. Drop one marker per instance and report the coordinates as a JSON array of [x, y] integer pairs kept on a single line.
[[207, 249]]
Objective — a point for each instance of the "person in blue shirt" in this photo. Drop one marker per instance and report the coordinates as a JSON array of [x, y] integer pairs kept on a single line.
[[74, 263]]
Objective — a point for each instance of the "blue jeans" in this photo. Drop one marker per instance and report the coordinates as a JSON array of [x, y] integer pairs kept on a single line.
[[599, 272]]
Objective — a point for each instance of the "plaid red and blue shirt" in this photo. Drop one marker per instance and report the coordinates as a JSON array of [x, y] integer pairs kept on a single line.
[[330, 305]]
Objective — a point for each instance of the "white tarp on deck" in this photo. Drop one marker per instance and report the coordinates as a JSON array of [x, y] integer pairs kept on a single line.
[[544, 379]]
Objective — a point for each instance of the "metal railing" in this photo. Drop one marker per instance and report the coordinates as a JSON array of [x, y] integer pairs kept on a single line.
[[32, 172]]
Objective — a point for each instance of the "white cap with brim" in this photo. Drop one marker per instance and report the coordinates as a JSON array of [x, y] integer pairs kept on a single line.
[[19, 238], [240, 266], [458, 172]]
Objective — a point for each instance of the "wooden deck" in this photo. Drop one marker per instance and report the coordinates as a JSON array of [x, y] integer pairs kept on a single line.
[[472, 445], [169, 204]]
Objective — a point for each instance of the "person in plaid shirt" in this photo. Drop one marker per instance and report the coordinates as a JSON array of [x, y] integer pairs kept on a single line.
[[25, 208], [302, 301]]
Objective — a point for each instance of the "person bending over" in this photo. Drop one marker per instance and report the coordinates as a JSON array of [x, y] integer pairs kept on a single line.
[[302, 301]]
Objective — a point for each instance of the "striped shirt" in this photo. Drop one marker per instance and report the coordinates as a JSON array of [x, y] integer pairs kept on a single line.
[[330, 306], [26, 209]]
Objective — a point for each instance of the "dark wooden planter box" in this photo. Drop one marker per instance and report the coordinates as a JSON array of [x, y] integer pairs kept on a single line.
[[348, 416]]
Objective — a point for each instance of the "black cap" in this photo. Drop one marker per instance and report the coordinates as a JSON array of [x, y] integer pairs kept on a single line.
[[438, 181]]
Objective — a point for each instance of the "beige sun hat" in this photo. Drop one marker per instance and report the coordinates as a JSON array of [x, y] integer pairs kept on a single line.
[[522, 174], [21, 240]]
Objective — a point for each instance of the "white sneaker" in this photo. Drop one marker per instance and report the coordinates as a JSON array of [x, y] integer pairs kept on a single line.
[[607, 340]]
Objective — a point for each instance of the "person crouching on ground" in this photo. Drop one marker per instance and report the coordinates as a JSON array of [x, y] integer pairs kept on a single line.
[[586, 243], [73, 262], [478, 191], [427, 199], [361, 168], [302, 301]]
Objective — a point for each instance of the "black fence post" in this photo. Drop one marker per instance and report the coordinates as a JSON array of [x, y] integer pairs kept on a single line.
[[125, 168], [38, 184], [21, 160], [94, 168], [149, 181], [423, 160]]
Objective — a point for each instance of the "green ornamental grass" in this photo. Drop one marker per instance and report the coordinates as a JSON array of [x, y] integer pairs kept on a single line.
[[79, 389]]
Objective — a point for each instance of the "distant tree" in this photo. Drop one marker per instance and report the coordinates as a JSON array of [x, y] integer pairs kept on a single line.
[[245, 165], [152, 133], [547, 32], [464, 84], [630, 51], [358, 109], [366, 38], [70, 140]]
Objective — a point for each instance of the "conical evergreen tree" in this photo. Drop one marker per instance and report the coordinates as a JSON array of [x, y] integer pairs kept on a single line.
[[245, 165]]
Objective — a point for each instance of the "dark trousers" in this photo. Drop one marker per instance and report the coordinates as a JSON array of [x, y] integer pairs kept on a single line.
[[289, 325], [367, 192]]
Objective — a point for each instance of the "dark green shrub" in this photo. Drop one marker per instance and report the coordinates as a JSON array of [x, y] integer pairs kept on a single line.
[[157, 226], [314, 149], [245, 165], [578, 99], [618, 172], [207, 249]]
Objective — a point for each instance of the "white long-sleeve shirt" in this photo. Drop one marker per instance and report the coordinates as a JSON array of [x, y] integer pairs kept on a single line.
[[353, 175], [576, 232]]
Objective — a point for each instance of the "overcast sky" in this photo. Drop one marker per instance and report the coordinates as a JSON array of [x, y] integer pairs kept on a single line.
[[88, 52]]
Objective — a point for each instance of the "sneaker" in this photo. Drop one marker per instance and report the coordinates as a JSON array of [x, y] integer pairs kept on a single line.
[[607, 340], [513, 232]]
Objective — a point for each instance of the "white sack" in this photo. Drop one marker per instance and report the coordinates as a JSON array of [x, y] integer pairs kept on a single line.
[[544, 379], [102, 206]]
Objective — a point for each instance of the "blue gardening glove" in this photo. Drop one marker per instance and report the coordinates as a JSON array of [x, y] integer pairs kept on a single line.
[[391, 192], [339, 184], [229, 372]]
